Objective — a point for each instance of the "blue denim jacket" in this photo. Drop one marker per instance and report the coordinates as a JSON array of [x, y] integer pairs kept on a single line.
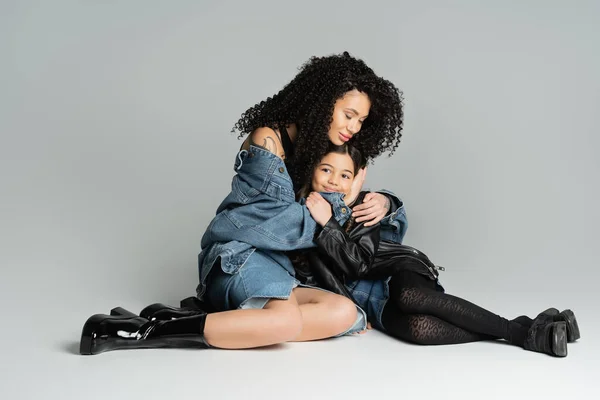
[[261, 212], [394, 226]]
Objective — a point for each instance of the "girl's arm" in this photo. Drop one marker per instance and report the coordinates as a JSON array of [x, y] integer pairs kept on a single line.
[[348, 256]]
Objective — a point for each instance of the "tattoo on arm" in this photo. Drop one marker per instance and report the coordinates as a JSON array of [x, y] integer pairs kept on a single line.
[[269, 144]]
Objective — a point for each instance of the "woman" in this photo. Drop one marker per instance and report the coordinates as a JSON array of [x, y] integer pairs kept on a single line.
[[415, 308], [244, 273]]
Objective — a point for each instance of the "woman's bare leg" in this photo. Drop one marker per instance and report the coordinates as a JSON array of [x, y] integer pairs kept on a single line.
[[324, 314], [278, 322]]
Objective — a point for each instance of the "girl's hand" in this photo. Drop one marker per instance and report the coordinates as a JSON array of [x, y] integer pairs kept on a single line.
[[319, 208], [374, 207]]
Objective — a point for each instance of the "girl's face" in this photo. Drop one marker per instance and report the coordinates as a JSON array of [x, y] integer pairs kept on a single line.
[[349, 113], [335, 173]]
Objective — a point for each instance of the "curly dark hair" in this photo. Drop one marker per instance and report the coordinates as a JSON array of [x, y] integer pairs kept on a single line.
[[308, 101]]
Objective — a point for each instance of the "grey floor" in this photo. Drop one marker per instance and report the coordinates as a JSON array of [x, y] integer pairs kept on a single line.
[[115, 152], [41, 328]]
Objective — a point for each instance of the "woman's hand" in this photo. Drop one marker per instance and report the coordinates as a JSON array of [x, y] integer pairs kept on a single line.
[[319, 208], [357, 185], [374, 207]]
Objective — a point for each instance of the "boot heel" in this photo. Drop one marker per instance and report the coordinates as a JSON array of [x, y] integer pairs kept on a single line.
[[150, 312], [189, 302], [121, 311], [572, 325], [559, 339]]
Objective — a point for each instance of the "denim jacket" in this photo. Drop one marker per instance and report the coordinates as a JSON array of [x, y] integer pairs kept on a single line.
[[261, 212], [394, 225]]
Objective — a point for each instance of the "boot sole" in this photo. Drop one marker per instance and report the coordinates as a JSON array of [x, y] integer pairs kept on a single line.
[[559, 339], [90, 347]]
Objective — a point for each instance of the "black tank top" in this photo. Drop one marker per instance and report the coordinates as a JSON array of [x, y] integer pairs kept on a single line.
[[286, 142]]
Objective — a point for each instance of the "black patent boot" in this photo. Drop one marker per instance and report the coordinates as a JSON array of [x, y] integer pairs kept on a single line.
[[193, 303], [105, 333], [161, 312], [546, 336], [165, 312]]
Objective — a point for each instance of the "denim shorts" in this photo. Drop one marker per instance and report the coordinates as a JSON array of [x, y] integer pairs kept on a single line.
[[371, 296], [259, 280]]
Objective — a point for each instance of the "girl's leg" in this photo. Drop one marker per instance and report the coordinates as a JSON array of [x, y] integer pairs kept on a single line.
[[324, 314], [415, 294], [425, 329]]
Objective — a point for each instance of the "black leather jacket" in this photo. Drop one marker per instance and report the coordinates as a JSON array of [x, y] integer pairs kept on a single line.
[[355, 252]]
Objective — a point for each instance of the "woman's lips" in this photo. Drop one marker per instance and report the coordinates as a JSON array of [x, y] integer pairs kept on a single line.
[[344, 138]]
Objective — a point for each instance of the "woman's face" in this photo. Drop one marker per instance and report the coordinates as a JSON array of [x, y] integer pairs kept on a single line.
[[335, 173], [349, 113]]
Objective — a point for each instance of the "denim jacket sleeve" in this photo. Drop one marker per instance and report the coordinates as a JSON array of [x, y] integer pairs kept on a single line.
[[395, 224], [261, 209], [265, 222]]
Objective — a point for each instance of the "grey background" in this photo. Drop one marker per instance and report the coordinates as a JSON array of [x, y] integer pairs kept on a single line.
[[115, 152]]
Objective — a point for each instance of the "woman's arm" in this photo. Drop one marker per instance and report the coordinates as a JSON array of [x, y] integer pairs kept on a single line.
[[261, 209], [266, 138]]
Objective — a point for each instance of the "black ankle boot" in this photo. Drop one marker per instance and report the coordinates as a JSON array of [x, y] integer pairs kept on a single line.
[[546, 336], [568, 317], [552, 314], [104, 333]]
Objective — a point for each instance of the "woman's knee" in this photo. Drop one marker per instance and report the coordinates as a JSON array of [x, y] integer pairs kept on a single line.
[[342, 312]]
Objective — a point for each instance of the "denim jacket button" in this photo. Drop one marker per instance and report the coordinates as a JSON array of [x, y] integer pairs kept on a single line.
[[281, 169], [344, 210]]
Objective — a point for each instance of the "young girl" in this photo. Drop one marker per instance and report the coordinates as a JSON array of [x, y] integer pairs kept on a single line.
[[352, 260]]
